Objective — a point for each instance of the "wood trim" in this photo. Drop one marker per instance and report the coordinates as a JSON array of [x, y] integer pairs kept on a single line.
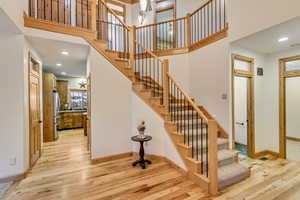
[[293, 139], [110, 158], [13, 178], [292, 73], [265, 153], [213, 157], [250, 107], [58, 28], [282, 111], [209, 40]]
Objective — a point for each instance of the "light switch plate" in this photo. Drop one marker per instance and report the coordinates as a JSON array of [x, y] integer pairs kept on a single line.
[[224, 96], [12, 161]]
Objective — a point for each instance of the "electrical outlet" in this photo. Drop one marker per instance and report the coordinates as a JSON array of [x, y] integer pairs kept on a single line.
[[12, 161]]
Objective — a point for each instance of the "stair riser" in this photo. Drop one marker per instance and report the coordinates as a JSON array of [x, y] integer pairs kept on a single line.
[[233, 180], [221, 163]]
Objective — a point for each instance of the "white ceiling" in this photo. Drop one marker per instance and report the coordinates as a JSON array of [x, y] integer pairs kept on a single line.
[[267, 41], [73, 64]]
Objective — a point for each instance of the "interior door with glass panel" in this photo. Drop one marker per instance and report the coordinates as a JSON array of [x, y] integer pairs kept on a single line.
[[243, 105], [289, 110]]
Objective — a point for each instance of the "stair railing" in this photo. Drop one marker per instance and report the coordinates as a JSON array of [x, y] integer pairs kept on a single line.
[[73, 13], [200, 133], [183, 32], [149, 69], [164, 35], [112, 29]]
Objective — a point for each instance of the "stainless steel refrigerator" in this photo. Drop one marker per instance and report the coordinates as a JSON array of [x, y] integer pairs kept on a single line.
[[56, 117]]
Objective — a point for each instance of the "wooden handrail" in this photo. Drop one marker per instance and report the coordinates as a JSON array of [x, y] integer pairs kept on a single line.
[[113, 13], [193, 104], [106, 22], [203, 5], [158, 23], [149, 51]]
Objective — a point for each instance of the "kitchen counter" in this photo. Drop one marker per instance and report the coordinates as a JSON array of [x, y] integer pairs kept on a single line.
[[72, 111]]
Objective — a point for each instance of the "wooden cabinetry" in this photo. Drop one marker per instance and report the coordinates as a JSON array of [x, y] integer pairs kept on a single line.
[[63, 91], [49, 85], [70, 120]]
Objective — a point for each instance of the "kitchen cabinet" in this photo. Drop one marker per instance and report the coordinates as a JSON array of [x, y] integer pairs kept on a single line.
[[63, 91], [71, 119]]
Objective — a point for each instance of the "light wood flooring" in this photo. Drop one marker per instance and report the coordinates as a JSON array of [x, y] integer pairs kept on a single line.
[[64, 172]]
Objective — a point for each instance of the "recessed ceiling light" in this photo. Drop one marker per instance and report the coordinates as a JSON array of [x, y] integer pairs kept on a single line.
[[65, 53], [63, 73], [283, 39], [58, 64]]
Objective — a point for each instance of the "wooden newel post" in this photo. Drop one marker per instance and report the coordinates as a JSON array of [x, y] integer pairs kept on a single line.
[[188, 30], [93, 15], [213, 157], [166, 83], [132, 46]]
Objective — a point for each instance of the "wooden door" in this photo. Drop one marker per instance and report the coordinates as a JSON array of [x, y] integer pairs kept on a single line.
[[88, 118], [34, 113]]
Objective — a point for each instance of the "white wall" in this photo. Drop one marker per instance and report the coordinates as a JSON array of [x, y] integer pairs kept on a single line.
[[161, 143], [208, 81], [110, 108], [14, 9], [12, 125]]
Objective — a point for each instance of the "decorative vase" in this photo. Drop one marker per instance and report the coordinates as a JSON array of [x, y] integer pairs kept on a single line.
[[141, 128]]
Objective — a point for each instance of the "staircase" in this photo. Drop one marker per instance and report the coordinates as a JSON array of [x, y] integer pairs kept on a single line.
[[201, 142]]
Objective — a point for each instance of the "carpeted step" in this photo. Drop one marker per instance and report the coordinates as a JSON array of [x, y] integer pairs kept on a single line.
[[231, 174], [225, 157], [222, 144]]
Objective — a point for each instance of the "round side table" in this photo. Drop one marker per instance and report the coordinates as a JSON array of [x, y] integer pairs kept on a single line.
[[142, 162]]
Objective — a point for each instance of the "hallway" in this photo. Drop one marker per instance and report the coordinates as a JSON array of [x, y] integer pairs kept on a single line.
[[65, 172]]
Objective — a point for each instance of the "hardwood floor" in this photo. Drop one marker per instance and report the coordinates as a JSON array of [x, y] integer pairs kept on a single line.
[[65, 172]]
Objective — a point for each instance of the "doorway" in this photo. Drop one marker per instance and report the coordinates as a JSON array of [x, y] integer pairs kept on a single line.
[[289, 97], [35, 123], [243, 105]]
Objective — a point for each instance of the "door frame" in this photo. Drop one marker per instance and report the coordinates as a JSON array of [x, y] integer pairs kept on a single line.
[[37, 74], [250, 101], [283, 75]]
